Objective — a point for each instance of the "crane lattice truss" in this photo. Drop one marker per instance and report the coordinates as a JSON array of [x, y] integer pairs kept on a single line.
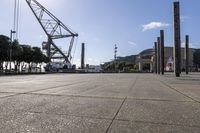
[[54, 29]]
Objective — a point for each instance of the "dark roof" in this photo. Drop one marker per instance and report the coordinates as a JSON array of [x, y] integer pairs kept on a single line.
[[146, 52]]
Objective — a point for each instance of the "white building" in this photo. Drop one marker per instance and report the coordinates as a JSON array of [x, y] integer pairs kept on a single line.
[[94, 69]]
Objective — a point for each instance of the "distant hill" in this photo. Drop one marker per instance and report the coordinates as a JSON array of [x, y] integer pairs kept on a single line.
[[130, 59]]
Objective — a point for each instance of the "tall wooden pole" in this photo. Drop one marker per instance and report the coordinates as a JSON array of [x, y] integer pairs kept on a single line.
[[162, 55], [158, 55], [83, 56], [155, 60], [186, 54], [177, 42]]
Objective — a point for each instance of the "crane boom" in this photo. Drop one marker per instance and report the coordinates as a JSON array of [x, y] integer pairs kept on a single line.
[[53, 28]]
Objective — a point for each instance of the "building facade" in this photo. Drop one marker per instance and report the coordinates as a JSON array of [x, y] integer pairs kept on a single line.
[[145, 59]]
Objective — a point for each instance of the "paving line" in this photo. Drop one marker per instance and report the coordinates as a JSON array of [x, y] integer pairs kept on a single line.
[[62, 114], [151, 99], [10, 95], [159, 123], [115, 115], [74, 96], [49, 88], [134, 83], [97, 97], [132, 86], [56, 87], [177, 90]]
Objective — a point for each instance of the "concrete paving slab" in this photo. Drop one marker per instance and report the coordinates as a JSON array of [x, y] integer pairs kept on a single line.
[[24, 103], [32, 86], [6, 94], [95, 103], [137, 89], [191, 78], [100, 87], [175, 113], [143, 127], [154, 89], [192, 91], [50, 123], [82, 106], [109, 90], [71, 89]]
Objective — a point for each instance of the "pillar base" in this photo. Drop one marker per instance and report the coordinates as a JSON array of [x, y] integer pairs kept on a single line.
[[177, 74]]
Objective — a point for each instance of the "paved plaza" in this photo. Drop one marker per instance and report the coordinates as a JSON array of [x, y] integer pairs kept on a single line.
[[100, 103]]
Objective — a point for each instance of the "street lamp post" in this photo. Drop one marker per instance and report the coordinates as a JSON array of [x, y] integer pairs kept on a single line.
[[11, 32]]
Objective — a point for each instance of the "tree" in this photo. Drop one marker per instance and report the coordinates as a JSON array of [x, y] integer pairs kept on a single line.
[[4, 50], [27, 55], [121, 65], [17, 52], [37, 55], [45, 59], [21, 54], [33, 55]]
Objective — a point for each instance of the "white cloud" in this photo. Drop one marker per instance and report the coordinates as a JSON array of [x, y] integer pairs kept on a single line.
[[90, 59], [132, 43], [93, 61], [41, 36], [76, 61], [154, 25], [96, 39], [82, 33], [183, 18], [191, 45]]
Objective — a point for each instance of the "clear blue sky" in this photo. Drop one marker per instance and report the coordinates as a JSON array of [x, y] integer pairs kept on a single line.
[[131, 24]]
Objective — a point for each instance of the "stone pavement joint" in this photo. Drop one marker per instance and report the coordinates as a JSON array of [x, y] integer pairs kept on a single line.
[[178, 91], [115, 115]]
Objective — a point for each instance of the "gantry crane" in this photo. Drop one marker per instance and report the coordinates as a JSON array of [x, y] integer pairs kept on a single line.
[[54, 29]]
